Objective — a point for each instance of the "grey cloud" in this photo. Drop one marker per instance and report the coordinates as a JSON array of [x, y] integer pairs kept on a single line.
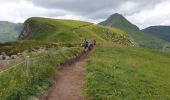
[[95, 9]]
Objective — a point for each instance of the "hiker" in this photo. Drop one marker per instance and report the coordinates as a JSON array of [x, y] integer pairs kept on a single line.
[[85, 43], [90, 47], [94, 42]]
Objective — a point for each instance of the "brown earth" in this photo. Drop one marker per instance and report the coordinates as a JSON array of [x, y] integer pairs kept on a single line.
[[69, 81]]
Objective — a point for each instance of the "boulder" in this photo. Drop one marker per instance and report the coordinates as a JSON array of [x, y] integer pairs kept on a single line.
[[14, 57], [1, 57], [19, 54], [7, 58], [24, 54], [33, 98]]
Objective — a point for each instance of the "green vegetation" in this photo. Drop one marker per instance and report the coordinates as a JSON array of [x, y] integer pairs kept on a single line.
[[21, 81], [116, 72], [162, 32], [140, 38], [51, 30], [9, 31], [11, 48], [118, 21], [68, 31], [45, 32]]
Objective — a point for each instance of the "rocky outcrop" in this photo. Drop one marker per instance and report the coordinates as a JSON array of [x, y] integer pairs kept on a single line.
[[24, 32], [14, 57], [4, 56]]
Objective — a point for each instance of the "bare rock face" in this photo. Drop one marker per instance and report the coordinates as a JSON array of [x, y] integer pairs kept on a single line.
[[24, 32]]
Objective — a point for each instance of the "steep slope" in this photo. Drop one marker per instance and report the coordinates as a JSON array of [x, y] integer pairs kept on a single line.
[[161, 31], [141, 38], [69, 31], [118, 21], [9, 31]]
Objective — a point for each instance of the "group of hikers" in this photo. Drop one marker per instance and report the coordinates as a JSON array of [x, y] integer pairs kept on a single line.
[[87, 44]]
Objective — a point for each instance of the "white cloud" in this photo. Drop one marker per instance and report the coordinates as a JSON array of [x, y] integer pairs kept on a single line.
[[76, 17], [159, 15], [140, 12], [21, 10], [128, 7]]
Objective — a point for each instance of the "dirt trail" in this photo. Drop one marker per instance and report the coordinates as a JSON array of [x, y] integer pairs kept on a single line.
[[69, 81]]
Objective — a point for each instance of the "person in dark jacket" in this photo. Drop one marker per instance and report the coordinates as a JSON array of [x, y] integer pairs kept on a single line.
[[85, 43]]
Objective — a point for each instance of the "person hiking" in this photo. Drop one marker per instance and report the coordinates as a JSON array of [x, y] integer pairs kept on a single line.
[[94, 42], [90, 47], [85, 43]]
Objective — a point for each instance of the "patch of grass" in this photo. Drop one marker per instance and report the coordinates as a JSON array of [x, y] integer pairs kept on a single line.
[[19, 82], [52, 29], [12, 48], [116, 72]]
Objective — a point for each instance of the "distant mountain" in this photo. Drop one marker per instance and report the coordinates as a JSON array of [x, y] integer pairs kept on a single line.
[[118, 21], [9, 31], [161, 31], [140, 38]]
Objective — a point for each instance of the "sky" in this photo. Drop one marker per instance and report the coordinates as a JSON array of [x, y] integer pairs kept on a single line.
[[142, 13]]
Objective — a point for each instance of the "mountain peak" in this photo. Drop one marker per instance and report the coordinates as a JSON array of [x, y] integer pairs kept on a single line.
[[116, 15], [119, 21]]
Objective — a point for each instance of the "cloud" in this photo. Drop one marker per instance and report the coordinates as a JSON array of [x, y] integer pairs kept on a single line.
[[158, 15], [92, 7], [141, 12], [18, 11]]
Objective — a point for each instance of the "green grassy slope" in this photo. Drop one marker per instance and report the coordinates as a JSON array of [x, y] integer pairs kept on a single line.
[[115, 72], [142, 39], [9, 31], [162, 32], [69, 31], [20, 83]]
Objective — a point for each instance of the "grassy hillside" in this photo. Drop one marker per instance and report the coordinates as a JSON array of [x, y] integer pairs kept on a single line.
[[161, 31], [142, 39], [68, 31], [30, 78], [115, 72], [9, 31], [22, 81], [44, 32]]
